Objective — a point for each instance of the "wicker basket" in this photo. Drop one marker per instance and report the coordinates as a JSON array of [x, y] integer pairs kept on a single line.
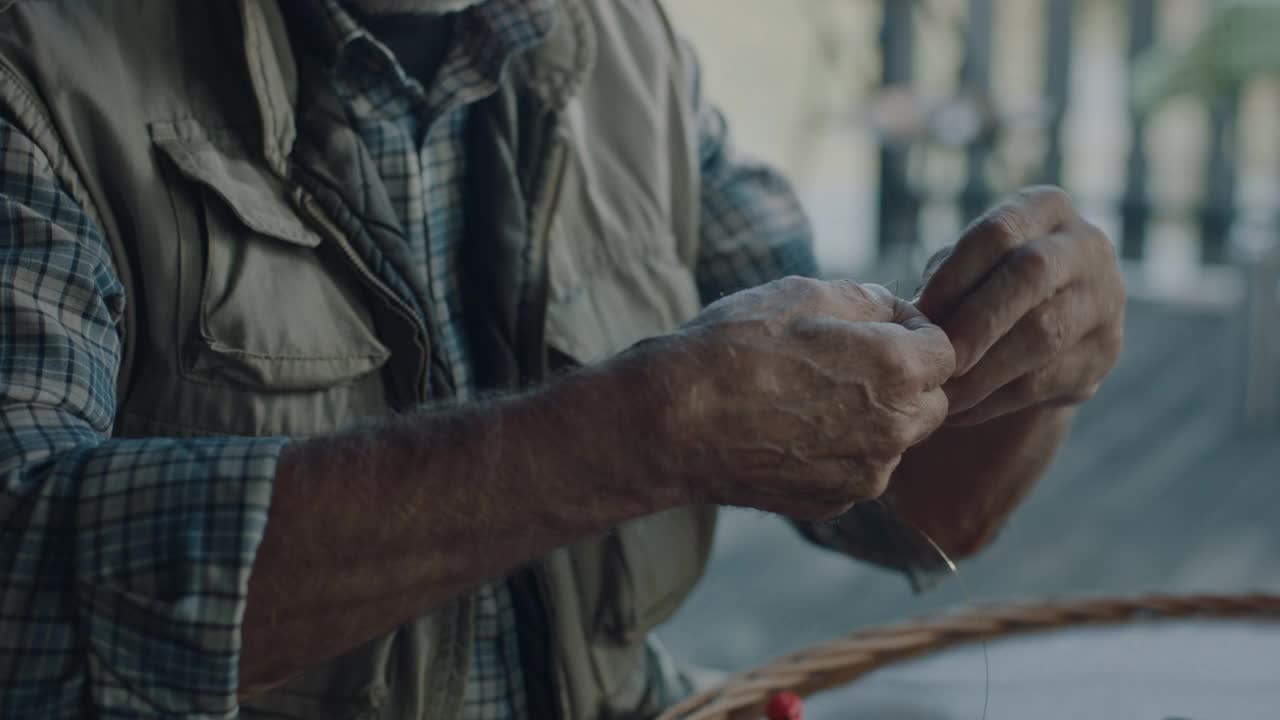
[[837, 663]]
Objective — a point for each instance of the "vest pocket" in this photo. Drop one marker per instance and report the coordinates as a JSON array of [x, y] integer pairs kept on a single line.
[[651, 565], [350, 687], [609, 291], [647, 568], [272, 311]]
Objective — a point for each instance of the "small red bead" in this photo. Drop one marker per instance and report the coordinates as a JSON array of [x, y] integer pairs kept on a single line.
[[785, 706]]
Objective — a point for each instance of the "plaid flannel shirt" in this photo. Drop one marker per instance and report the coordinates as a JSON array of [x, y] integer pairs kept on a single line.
[[124, 563]]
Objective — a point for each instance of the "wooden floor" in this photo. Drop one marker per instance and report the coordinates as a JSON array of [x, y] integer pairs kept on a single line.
[[1157, 490]]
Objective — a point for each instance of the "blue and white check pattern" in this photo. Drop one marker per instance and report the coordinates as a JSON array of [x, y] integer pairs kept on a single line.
[[124, 563], [416, 138]]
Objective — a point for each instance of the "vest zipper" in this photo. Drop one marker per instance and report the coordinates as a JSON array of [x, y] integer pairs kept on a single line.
[[540, 575], [556, 164], [534, 317], [402, 308], [533, 313]]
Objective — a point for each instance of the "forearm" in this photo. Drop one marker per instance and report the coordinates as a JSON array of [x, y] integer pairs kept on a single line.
[[374, 527], [961, 484]]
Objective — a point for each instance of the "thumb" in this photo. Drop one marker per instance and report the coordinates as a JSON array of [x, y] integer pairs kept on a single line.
[[900, 311], [931, 341], [859, 302], [894, 308]]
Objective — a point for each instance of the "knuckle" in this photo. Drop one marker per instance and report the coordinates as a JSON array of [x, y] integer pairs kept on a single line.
[[1035, 386], [872, 292], [1013, 230], [808, 328], [1097, 238], [1004, 228], [1054, 197], [1049, 330], [797, 285], [910, 369], [886, 357], [852, 291], [1032, 265], [899, 370]]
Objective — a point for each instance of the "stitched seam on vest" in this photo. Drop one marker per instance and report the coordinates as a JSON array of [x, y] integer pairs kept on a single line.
[[194, 376], [461, 641], [34, 119], [42, 132], [171, 424], [261, 84], [204, 431], [295, 358]]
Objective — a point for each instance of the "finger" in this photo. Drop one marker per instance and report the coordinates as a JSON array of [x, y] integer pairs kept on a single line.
[[1071, 381], [929, 354], [1053, 327], [855, 302], [918, 352], [932, 414], [1028, 277], [1025, 216], [908, 315], [931, 268]]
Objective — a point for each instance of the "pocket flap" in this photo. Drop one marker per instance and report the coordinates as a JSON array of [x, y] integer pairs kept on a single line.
[[274, 311], [236, 180]]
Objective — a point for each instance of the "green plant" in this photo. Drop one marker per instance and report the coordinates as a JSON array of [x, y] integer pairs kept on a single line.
[[1240, 43]]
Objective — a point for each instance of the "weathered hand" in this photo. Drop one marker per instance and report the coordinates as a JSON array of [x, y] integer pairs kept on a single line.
[[800, 396], [1033, 301]]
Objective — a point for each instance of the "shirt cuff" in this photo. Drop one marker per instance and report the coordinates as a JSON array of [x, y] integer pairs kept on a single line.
[[873, 532], [167, 532]]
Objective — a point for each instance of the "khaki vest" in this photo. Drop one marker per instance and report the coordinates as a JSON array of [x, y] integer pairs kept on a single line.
[[264, 273]]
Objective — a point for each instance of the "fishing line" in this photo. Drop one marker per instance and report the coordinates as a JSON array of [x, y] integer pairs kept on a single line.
[[964, 591]]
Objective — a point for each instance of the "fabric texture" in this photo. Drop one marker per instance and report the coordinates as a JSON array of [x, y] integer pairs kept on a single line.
[[126, 562], [416, 136]]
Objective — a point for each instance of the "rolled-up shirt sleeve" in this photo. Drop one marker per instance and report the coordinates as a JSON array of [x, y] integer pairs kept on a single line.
[[752, 228], [124, 563]]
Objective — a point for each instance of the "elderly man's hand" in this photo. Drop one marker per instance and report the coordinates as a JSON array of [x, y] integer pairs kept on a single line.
[[1033, 302], [799, 396]]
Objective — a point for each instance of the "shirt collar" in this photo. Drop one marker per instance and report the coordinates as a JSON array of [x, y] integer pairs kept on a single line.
[[494, 32]]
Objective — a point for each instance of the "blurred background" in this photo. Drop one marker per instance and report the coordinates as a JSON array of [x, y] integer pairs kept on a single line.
[[899, 121]]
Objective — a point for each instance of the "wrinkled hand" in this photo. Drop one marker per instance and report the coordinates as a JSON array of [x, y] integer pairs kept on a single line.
[[1033, 301], [801, 396]]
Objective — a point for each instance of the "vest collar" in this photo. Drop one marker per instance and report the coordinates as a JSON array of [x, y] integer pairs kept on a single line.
[[554, 71]]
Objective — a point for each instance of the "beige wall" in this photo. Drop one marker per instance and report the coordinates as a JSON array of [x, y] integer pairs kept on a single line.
[[760, 66]]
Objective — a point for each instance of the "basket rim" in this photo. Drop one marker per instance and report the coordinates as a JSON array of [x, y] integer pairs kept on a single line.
[[837, 662]]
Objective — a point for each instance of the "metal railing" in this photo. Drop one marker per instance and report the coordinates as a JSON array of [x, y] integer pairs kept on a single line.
[[1212, 216], [904, 195]]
